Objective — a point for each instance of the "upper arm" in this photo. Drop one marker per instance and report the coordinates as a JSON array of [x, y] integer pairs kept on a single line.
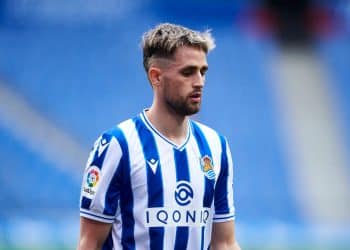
[[101, 182], [100, 193], [223, 230], [93, 234], [223, 196], [223, 236]]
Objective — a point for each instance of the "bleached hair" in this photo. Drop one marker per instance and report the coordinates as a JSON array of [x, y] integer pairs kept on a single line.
[[163, 40]]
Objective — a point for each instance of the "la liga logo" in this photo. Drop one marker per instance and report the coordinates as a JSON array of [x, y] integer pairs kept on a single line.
[[92, 179]]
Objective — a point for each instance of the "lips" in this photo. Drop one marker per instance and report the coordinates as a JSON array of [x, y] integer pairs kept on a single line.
[[196, 96]]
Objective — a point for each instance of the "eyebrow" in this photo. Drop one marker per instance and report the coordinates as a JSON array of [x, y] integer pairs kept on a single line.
[[192, 67]]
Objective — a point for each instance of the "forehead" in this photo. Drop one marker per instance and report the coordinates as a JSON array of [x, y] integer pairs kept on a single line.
[[184, 56]]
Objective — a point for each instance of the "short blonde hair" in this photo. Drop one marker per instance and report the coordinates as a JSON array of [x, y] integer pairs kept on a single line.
[[163, 40]]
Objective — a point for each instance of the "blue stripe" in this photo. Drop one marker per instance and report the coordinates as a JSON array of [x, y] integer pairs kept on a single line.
[[182, 174], [154, 180], [220, 200], [209, 184], [85, 202], [120, 186], [181, 164], [204, 150], [98, 160], [202, 238]]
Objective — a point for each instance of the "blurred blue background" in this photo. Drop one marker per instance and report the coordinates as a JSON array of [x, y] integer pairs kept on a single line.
[[278, 88]]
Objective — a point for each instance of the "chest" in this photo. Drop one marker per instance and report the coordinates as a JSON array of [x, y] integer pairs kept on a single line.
[[169, 177]]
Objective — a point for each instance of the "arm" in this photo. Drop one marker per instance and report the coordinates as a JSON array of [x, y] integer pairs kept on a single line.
[[92, 234], [223, 236], [96, 221], [223, 230]]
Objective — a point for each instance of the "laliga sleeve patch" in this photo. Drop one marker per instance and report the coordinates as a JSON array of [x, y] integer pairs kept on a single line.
[[91, 181]]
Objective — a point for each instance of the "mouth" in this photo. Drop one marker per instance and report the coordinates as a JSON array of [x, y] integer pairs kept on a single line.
[[196, 96]]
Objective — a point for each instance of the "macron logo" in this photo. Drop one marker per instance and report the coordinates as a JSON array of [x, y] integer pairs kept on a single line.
[[102, 147], [153, 165]]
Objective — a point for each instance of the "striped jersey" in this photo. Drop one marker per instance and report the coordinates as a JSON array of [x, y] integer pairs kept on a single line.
[[158, 195]]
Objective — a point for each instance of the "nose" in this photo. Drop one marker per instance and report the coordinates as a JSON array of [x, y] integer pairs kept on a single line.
[[199, 79]]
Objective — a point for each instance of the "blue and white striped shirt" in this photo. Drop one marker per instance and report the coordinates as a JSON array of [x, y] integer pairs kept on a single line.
[[158, 195]]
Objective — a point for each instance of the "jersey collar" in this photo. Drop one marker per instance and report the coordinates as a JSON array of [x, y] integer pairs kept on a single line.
[[152, 128]]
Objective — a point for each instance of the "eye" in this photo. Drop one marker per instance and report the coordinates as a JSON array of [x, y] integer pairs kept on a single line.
[[188, 72], [203, 71]]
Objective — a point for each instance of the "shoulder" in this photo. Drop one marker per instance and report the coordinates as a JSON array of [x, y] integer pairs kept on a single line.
[[209, 136], [122, 133], [207, 131], [118, 133]]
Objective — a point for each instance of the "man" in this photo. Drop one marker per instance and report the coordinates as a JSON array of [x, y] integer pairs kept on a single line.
[[161, 180]]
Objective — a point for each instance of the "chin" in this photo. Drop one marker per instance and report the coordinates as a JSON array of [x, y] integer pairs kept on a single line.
[[193, 111]]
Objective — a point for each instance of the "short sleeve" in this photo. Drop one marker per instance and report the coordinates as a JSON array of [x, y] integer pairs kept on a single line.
[[223, 197], [100, 189]]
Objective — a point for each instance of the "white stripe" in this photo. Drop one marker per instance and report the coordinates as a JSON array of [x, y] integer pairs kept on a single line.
[[110, 163], [197, 180], [231, 218], [223, 216], [168, 167], [196, 173], [194, 234], [215, 145], [138, 183], [230, 184]]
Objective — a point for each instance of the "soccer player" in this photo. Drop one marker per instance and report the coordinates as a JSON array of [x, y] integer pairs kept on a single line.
[[161, 180]]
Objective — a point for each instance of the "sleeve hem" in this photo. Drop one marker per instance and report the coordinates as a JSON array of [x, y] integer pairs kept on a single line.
[[224, 219], [96, 217]]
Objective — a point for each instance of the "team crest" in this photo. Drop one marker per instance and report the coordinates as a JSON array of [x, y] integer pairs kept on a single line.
[[207, 167]]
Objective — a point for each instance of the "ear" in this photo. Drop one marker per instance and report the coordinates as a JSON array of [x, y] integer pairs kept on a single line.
[[154, 74]]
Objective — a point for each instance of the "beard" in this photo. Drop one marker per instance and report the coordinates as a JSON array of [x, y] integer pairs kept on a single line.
[[182, 106]]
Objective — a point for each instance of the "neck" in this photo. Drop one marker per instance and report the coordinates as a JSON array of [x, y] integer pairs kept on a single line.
[[171, 125]]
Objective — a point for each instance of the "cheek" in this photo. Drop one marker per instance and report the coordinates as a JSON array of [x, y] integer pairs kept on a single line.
[[170, 84], [176, 86]]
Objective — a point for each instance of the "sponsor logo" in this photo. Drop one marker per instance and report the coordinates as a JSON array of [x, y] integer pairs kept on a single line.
[[180, 217], [183, 193], [207, 167], [153, 165], [91, 181], [184, 214]]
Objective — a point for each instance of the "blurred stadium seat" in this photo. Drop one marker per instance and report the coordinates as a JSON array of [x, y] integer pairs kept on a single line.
[[80, 68]]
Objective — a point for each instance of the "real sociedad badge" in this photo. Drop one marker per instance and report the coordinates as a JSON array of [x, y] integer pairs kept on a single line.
[[207, 167]]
